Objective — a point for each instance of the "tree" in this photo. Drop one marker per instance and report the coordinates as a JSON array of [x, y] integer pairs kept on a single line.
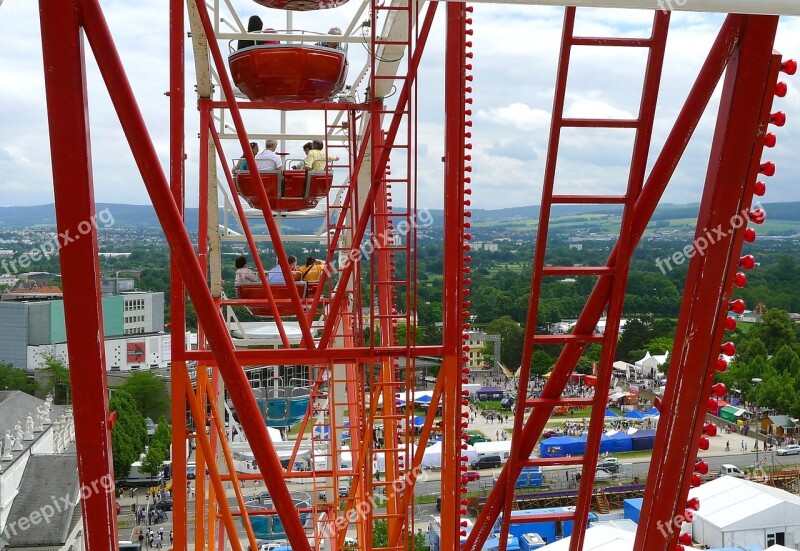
[[511, 335], [541, 362], [129, 433], [148, 392], [775, 330], [58, 378], [637, 333], [153, 462], [380, 537], [786, 360], [12, 378]]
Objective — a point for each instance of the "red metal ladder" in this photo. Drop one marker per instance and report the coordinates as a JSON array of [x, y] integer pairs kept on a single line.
[[543, 406]]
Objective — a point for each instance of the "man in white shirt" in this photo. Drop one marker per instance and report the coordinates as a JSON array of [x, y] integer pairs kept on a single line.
[[267, 159]]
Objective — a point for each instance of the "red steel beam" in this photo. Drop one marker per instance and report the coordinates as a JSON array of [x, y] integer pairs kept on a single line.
[[453, 275], [179, 375], [68, 117], [662, 170], [169, 215], [733, 168]]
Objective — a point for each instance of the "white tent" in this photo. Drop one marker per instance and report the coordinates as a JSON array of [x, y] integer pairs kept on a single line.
[[432, 458], [599, 538], [734, 511]]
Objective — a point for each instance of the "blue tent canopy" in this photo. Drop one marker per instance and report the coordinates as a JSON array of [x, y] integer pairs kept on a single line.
[[610, 413], [634, 415], [423, 399], [620, 442], [652, 412], [418, 421], [643, 439], [559, 446]]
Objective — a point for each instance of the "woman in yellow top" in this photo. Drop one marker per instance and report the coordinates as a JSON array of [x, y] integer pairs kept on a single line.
[[312, 270], [316, 159]]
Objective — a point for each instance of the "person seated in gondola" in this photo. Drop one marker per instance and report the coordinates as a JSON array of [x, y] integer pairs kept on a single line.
[[275, 275], [316, 159], [334, 31], [254, 25], [243, 273], [267, 159], [299, 165], [241, 164], [312, 269]]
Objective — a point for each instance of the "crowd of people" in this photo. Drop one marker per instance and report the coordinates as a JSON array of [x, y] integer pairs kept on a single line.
[[152, 539]]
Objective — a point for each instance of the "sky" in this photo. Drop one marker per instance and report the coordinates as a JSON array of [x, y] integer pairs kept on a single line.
[[514, 66]]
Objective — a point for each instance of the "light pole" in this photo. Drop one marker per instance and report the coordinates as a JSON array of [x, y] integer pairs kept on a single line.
[[755, 381]]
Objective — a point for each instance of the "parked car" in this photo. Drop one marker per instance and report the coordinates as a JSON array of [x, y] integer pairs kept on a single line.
[[603, 475], [489, 461], [469, 476], [791, 449], [473, 438], [164, 505], [731, 470], [549, 433], [611, 464], [344, 491]]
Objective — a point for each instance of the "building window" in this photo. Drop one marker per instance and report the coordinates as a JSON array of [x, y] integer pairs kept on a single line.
[[778, 538]]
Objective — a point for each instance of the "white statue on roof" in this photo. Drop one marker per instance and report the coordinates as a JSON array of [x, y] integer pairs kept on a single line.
[[8, 443], [44, 413], [29, 427]]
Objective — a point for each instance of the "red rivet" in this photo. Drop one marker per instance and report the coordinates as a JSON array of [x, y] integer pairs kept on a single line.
[[757, 216], [710, 429], [696, 480], [770, 140], [778, 118], [728, 348], [703, 445], [719, 390], [789, 67], [730, 323], [748, 262], [740, 279], [712, 404], [722, 365], [760, 189], [657, 404], [736, 306], [767, 169], [688, 514], [750, 235], [685, 539], [694, 504], [701, 467]]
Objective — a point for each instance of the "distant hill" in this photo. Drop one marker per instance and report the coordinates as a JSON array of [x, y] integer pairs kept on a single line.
[[143, 216]]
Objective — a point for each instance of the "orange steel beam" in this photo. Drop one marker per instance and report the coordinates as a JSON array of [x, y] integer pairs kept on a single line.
[[220, 430], [205, 444]]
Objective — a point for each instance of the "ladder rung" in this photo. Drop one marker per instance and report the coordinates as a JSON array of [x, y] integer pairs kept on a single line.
[[551, 461], [611, 41], [577, 270], [599, 123], [546, 517], [563, 339], [589, 199], [572, 402]]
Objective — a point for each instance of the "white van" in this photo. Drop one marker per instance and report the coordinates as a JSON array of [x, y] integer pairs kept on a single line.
[[730, 470]]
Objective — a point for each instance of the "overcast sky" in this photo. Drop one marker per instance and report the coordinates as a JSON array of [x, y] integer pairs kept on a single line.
[[516, 50]]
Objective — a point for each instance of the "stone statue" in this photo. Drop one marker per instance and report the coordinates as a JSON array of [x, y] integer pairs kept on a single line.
[[37, 425], [29, 427], [18, 437], [8, 443], [44, 413]]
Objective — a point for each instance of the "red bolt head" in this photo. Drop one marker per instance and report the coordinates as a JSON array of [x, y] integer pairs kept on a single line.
[[467, 225], [778, 118], [685, 539], [748, 262], [657, 404], [770, 140], [760, 189], [719, 390], [757, 216], [703, 445], [694, 504], [789, 67], [696, 480], [740, 279], [701, 467], [710, 429], [712, 404], [722, 365], [728, 348], [730, 323], [688, 514], [736, 306], [767, 169]]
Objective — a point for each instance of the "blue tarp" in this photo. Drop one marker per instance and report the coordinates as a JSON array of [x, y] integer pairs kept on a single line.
[[512, 544], [418, 421], [633, 415], [643, 440], [632, 509], [559, 446], [620, 442], [652, 412], [423, 399], [610, 413], [606, 444]]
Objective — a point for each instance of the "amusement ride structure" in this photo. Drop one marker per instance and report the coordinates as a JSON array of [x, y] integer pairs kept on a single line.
[[324, 359]]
